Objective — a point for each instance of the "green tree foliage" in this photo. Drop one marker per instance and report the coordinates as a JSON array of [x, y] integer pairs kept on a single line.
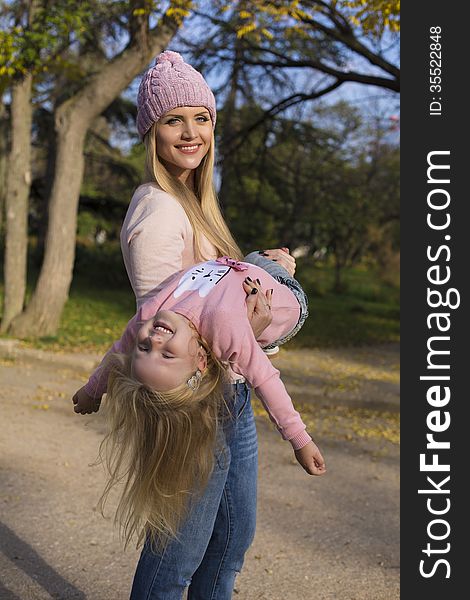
[[38, 46], [340, 39], [374, 16], [305, 185], [280, 57]]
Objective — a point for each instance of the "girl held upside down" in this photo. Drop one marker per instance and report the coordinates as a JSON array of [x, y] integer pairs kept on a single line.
[[165, 387]]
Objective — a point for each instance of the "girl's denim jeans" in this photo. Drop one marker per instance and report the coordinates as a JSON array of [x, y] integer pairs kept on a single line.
[[280, 274], [220, 527]]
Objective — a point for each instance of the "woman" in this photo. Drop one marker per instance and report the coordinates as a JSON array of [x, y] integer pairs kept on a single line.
[[173, 222]]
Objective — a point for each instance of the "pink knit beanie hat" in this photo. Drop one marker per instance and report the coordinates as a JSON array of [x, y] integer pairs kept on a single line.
[[170, 83]]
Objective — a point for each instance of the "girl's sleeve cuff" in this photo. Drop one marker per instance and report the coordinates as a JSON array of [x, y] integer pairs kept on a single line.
[[300, 440]]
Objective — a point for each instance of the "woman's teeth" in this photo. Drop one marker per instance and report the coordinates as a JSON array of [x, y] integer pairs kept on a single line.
[[188, 148]]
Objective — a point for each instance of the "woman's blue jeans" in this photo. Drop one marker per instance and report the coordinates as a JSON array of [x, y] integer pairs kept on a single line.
[[220, 527]]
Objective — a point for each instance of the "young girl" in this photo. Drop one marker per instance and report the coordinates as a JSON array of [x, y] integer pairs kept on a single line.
[[164, 387], [173, 222]]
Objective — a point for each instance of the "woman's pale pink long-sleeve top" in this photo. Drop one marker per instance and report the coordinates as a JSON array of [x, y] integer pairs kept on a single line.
[[157, 240]]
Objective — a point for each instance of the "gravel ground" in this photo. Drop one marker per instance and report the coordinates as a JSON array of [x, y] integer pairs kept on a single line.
[[335, 537]]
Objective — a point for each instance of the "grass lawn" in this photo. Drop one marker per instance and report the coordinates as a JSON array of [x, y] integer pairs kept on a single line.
[[366, 312]]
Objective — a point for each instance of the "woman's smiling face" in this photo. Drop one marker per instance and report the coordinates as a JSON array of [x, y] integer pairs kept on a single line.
[[183, 137], [166, 352]]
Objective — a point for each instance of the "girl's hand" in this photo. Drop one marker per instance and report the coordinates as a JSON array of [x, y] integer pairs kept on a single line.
[[258, 306], [85, 404], [282, 256], [311, 459]]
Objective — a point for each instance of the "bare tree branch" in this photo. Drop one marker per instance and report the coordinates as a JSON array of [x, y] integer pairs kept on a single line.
[[284, 104], [343, 76], [348, 38], [342, 33]]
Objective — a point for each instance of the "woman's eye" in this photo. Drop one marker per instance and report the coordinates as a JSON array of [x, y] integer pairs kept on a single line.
[[172, 121], [203, 119], [166, 356], [143, 348]]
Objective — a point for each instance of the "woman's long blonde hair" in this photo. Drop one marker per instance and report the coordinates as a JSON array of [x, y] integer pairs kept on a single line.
[[160, 448], [201, 206]]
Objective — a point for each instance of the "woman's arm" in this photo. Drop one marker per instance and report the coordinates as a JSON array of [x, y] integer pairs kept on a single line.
[[258, 307], [260, 318], [283, 257], [154, 238]]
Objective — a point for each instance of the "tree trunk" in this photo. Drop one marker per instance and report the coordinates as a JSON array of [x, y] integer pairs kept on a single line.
[[4, 136], [16, 201], [338, 282], [45, 195], [43, 312], [73, 118], [229, 126]]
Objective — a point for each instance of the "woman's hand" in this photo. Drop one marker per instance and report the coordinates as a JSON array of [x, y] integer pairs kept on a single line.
[[258, 306], [283, 257], [311, 459], [84, 403]]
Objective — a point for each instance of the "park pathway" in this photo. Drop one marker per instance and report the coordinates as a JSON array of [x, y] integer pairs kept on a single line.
[[330, 538]]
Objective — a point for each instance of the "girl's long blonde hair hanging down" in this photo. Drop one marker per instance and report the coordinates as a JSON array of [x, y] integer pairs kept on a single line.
[[202, 206], [160, 448]]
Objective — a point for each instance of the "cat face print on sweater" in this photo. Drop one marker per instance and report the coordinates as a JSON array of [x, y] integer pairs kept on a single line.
[[203, 278]]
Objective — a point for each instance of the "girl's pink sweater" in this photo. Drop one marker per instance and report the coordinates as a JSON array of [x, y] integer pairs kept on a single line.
[[212, 297]]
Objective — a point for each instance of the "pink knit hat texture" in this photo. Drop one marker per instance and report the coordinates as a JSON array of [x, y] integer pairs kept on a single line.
[[168, 84]]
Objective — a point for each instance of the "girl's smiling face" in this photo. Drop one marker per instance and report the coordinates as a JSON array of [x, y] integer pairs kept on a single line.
[[183, 137], [166, 352]]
